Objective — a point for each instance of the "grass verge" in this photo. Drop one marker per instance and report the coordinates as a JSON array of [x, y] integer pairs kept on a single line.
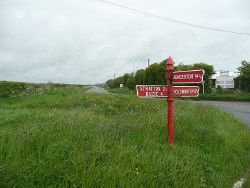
[[73, 139], [224, 97]]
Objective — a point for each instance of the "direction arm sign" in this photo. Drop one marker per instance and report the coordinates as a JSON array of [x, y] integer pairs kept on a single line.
[[191, 76], [148, 91], [186, 91], [160, 91]]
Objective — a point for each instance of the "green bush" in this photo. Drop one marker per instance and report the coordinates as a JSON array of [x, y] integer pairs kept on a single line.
[[8, 89], [19, 89], [219, 89]]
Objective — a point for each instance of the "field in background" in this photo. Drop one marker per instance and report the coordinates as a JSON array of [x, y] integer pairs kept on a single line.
[[64, 137]]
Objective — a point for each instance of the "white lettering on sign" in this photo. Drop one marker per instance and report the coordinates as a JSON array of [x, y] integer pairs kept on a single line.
[[185, 91], [192, 76], [151, 94], [183, 76], [197, 76], [152, 88]]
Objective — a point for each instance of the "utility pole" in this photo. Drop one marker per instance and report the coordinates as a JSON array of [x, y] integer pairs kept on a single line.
[[148, 62], [114, 76]]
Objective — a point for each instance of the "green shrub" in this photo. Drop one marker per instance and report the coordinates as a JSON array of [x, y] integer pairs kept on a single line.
[[8, 89], [219, 89], [19, 89]]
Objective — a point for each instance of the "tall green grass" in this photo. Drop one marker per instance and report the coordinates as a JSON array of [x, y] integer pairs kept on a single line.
[[73, 139]]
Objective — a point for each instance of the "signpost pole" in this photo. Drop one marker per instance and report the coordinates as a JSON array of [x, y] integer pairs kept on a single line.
[[169, 72]]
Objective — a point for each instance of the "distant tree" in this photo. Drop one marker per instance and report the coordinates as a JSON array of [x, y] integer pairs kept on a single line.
[[152, 74], [115, 82], [139, 76], [131, 81], [182, 67], [243, 80], [156, 74], [162, 73], [125, 78], [109, 83], [209, 71], [237, 82]]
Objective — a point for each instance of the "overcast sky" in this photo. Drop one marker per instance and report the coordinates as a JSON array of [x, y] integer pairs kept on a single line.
[[87, 41]]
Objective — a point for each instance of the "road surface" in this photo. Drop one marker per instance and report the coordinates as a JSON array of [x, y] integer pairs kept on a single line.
[[240, 110], [96, 89]]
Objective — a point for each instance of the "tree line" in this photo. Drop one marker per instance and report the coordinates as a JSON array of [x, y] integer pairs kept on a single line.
[[242, 82], [155, 74]]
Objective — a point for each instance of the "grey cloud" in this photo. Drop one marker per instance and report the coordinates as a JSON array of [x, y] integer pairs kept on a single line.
[[87, 41]]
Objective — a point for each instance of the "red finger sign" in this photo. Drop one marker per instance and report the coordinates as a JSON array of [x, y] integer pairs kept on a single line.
[[160, 91], [191, 76]]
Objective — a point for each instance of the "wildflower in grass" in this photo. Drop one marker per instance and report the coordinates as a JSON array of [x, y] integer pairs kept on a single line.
[[137, 172]]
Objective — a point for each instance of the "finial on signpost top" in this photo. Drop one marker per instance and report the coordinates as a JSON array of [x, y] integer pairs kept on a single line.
[[170, 64]]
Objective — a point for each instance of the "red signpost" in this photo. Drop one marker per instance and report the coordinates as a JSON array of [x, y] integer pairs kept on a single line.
[[170, 98], [170, 91]]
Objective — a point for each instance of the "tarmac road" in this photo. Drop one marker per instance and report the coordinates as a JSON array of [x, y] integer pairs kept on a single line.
[[240, 110], [96, 89]]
